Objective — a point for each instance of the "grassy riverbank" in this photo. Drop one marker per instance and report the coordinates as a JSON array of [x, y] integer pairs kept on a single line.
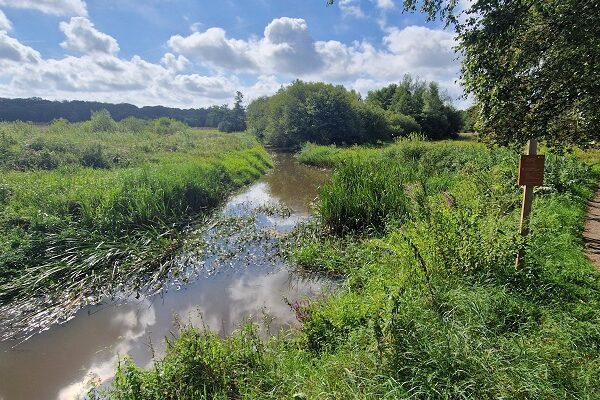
[[88, 208], [432, 305]]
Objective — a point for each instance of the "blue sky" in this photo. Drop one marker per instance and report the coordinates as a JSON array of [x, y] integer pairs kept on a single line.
[[191, 53]]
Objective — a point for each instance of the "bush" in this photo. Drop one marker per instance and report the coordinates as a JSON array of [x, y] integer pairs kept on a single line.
[[93, 157], [101, 121], [168, 126]]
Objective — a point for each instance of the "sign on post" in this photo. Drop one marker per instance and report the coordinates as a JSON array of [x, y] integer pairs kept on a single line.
[[531, 173], [531, 170]]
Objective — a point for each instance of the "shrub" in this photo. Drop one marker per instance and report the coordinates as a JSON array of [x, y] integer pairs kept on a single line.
[[101, 121]]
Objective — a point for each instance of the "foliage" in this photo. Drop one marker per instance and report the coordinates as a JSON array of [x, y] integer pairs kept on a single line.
[[326, 114], [531, 66], [416, 106], [300, 112], [234, 120], [228, 119], [101, 121]]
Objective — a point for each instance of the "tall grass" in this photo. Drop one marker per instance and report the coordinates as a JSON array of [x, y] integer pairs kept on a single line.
[[94, 220], [432, 305]]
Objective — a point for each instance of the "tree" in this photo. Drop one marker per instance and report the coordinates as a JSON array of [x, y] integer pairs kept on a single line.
[[233, 120], [417, 106], [532, 66], [102, 121], [314, 112]]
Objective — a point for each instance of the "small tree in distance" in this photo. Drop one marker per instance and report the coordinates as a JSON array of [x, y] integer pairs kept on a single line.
[[234, 120]]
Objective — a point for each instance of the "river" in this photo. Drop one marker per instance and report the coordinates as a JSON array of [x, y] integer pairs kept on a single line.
[[231, 273]]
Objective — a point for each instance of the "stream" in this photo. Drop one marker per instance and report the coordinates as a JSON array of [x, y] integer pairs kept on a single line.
[[231, 273]]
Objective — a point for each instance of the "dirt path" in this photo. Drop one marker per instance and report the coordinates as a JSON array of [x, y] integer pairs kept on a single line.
[[591, 232]]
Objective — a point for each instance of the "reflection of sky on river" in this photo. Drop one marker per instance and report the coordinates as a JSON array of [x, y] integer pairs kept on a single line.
[[250, 284]]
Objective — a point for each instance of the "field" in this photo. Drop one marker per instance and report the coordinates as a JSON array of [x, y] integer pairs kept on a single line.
[[92, 208], [432, 305]]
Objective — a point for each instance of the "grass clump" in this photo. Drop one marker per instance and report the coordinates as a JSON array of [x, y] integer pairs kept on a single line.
[[432, 305], [97, 209]]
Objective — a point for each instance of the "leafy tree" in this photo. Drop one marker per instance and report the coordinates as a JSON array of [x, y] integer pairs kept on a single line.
[[417, 106], [234, 120], [216, 114], [315, 112], [102, 121], [400, 124], [532, 66], [257, 117]]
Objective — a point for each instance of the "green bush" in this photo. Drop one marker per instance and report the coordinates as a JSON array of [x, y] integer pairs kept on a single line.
[[101, 121]]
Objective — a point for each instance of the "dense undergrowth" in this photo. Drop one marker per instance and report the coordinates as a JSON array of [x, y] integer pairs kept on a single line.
[[432, 305], [90, 208]]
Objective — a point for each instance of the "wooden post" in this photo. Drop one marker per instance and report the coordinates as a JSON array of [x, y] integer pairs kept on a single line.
[[527, 197]]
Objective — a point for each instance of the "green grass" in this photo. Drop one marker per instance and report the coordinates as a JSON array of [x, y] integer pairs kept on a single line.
[[82, 222], [432, 305]]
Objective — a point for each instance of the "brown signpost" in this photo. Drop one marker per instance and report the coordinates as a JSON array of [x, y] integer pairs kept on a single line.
[[531, 173], [531, 170]]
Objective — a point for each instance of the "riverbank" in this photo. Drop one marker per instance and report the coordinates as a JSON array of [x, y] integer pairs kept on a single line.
[[98, 208], [432, 305], [229, 273]]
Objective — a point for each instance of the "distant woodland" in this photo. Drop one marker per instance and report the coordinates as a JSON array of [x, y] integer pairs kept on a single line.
[[44, 111]]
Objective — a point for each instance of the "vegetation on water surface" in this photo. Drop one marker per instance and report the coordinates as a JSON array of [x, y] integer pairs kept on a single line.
[[88, 207], [431, 305], [327, 114]]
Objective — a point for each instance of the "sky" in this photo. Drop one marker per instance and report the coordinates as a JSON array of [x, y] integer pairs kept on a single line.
[[197, 53]]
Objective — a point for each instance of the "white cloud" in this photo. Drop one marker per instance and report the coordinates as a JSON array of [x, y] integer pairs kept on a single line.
[[108, 78], [174, 63], [12, 51], [5, 24], [385, 4], [284, 52], [212, 47], [421, 47], [285, 48], [351, 8], [288, 50], [82, 36], [288, 46], [54, 7]]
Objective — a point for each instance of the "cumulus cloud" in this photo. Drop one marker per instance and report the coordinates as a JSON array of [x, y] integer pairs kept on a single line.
[[53, 7], [82, 36], [5, 24], [174, 63], [12, 51], [421, 47], [212, 47], [109, 78], [256, 65], [287, 49]]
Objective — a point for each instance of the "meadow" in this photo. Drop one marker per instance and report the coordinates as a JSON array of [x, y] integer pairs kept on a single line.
[[432, 305], [99, 207]]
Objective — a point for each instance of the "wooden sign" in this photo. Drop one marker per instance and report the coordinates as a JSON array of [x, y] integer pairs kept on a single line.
[[531, 170]]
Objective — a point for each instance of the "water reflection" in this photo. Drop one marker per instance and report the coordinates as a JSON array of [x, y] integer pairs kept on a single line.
[[236, 278]]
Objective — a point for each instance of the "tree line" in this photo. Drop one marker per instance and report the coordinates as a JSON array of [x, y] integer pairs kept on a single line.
[[300, 112], [328, 114]]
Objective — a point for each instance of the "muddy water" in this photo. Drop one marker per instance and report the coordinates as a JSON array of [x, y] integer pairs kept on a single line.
[[238, 276]]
